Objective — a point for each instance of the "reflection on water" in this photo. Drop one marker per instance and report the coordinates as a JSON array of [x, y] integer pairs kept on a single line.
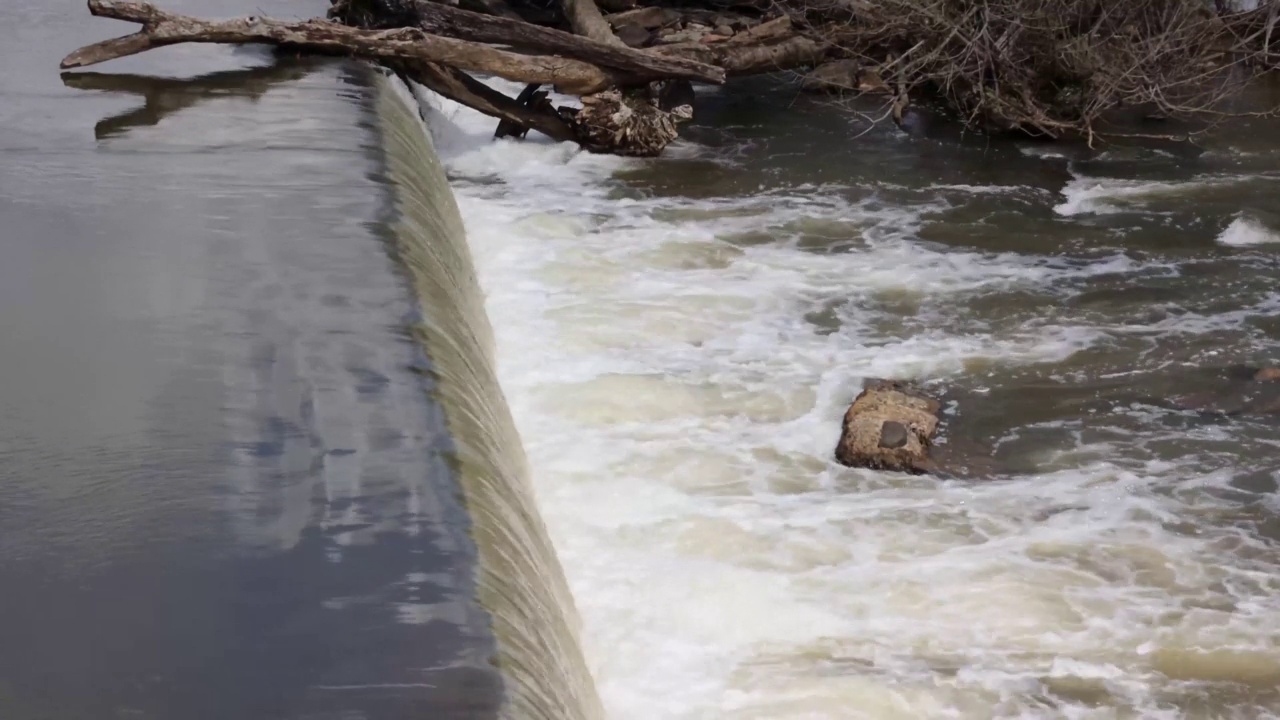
[[224, 491], [166, 96]]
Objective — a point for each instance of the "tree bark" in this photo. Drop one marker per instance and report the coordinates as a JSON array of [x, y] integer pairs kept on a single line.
[[460, 87], [440, 19], [162, 28], [586, 19], [742, 59]]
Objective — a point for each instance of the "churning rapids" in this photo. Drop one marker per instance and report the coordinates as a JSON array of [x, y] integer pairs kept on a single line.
[[677, 340]]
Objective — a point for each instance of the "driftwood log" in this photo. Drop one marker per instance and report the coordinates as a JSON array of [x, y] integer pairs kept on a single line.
[[889, 426], [1052, 68], [162, 28], [626, 92], [444, 21]]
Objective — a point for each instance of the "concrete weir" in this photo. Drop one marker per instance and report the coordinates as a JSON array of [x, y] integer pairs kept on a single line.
[[519, 582]]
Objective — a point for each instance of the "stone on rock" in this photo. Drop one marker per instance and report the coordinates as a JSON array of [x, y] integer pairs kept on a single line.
[[889, 426], [893, 435]]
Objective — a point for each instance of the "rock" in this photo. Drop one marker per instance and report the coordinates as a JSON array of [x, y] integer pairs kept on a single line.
[[1268, 374], [889, 426], [724, 30], [844, 76], [835, 76], [681, 36], [871, 82], [736, 23], [893, 435]]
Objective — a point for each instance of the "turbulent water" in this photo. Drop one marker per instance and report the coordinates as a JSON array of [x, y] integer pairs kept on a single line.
[[679, 338]]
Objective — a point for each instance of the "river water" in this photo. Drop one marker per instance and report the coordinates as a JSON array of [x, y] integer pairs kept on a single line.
[[679, 338], [225, 486], [229, 478]]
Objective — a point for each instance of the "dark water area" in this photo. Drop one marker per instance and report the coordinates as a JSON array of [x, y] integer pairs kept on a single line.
[[225, 489], [680, 338], [1159, 257]]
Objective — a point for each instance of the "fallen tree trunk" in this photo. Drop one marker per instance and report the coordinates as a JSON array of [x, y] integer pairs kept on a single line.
[[439, 19], [794, 52], [161, 28], [768, 47]]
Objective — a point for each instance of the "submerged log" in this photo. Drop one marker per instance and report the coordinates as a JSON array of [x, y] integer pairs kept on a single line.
[[889, 426]]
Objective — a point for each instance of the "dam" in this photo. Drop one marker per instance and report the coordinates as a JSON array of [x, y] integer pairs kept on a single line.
[[320, 404]]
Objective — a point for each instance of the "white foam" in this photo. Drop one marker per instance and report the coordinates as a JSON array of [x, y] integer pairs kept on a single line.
[[1245, 231], [679, 396], [1104, 195], [1110, 195]]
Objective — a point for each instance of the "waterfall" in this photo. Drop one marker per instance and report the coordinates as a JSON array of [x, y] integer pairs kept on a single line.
[[520, 582]]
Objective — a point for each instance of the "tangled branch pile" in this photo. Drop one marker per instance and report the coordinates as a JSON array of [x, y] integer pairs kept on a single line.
[[1053, 67], [1047, 67]]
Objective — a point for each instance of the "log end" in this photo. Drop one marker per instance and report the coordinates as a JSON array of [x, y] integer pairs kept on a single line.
[[889, 426], [108, 50]]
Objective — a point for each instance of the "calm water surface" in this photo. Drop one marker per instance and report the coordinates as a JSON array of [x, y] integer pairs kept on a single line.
[[223, 485]]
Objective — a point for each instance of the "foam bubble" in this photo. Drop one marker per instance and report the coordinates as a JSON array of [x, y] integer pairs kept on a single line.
[[1246, 231]]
